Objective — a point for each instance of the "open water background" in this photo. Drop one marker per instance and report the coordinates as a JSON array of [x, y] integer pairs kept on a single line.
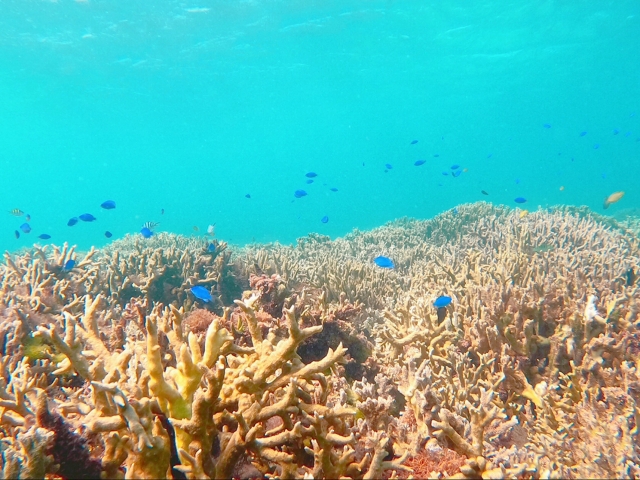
[[189, 106]]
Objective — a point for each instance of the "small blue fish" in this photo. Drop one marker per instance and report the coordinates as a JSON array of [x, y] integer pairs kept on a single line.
[[108, 205], [333, 189], [436, 155], [456, 173], [247, 196], [300, 193], [324, 219], [582, 134], [413, 142], [311, 175], [383, 262], [388, 166], [417, 163], [44, 236], [310, 181], [87, 217], [69, 265], [596, 146], [72, 221], [455, 167], [17, 234], [146, 232], [616, 131], [455, 210], [201, 293], [546, 125], [445, 173], [520, 200], [25, 227], [211, 248], [108, 234], [442, 301]]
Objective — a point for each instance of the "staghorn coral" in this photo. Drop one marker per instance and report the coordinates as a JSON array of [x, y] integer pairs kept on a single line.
[[544, 309], [181, 396], [531, 373], [164, 267]]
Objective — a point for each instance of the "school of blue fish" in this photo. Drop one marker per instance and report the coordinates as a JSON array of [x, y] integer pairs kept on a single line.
[[147, 229]]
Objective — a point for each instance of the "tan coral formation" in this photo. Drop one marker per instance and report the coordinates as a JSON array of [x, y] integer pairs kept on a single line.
[[532, 373]]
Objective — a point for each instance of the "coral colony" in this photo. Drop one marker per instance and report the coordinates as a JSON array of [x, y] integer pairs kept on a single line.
[[494, 345]]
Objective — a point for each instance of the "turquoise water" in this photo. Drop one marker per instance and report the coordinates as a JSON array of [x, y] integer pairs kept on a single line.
[[188, 107]]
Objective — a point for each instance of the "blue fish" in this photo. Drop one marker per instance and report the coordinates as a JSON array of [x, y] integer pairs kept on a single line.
[[87, 217], [108, 205], [445, 173], [388, 166], [247, 196], [211, 248], [616, 131], [442, 301], [25, 227], [72, 221], [546, 125], [44, 236], [436, 155], [413, 142], [146, 232], [383, 262], [324, 219], [108, 234], [456, 173], [201, 293], [455, 167], [596, 146], [417, 163], [17, 234], [69, 264], [299, 193], [311, 175], [520, 200], [333, 189], [310, 181], [582, 134]]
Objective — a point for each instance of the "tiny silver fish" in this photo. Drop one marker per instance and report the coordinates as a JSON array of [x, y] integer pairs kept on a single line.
[[150, 225]]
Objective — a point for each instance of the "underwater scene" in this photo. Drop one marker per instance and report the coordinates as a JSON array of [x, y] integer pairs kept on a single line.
[[358, 239]]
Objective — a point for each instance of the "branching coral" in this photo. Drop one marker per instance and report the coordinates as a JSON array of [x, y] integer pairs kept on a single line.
[[328, 366]]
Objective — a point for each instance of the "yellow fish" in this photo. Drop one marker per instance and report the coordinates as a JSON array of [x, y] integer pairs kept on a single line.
[[16, 212], [524, 213], [613, 198]]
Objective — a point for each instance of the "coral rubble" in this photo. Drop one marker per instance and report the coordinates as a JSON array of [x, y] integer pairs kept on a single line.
[[313, 362]]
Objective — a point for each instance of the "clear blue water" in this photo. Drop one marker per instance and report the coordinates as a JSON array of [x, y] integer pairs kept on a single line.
[[188, 106]]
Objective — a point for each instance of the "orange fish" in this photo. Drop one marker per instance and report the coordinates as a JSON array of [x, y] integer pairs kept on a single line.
[[613, 198], [562, 188]]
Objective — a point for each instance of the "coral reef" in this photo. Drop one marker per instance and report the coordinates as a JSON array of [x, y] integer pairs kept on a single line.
[[313, 362]]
